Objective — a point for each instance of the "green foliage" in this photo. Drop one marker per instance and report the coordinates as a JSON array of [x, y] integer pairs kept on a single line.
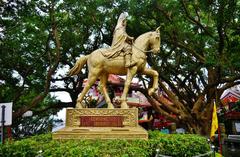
[[43, 145], [179, 144], [36, 124], [219, 155]]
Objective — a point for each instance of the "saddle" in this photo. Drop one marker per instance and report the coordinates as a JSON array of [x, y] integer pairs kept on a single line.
[[111, 53]]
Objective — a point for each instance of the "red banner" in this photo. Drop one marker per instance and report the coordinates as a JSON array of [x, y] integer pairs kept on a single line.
[[101, 121]]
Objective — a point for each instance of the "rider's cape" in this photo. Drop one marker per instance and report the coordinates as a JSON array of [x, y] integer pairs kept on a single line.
[[118, 44]]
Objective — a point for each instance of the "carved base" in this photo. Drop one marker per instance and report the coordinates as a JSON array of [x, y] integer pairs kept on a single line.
[[101, 124], [101, 133]]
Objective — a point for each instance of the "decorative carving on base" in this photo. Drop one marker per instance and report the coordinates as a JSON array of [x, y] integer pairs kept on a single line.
[[130, 116], [129, 128]]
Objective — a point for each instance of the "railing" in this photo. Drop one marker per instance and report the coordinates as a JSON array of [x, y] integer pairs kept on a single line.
[[210, 153]]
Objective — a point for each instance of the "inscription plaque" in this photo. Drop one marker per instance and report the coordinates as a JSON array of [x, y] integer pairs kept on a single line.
[[101, 121]]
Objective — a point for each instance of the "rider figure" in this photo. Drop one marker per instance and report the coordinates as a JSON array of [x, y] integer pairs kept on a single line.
[[122, 42]]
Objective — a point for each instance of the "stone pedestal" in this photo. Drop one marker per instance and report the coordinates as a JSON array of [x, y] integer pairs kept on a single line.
[[93, 123]]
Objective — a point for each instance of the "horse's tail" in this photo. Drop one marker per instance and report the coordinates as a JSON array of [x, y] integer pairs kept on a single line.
[[78, 66]]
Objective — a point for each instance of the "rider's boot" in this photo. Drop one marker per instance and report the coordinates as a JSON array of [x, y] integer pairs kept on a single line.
[[128, 61]]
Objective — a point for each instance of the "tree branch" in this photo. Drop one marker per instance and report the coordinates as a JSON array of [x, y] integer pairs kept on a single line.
[[167, 15], [193, 52], [58, 105], [50, 72], [169, 107], [191, 19]]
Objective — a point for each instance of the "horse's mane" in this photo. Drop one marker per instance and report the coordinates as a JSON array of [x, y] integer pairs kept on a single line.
[[142, 36]]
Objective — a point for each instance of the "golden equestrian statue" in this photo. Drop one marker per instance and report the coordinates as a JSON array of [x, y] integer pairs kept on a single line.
[[124, 57]]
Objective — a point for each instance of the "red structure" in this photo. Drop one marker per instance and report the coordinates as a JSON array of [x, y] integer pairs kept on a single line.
[[231, 95], [230, 100]]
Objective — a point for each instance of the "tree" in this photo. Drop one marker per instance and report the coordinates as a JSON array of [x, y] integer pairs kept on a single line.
[[198, 55], [30, 55], [37, 39]]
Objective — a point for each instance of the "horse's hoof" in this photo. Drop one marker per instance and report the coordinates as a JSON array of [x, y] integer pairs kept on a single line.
[[110, 106], [79, 105], [151, 91], [124, 105]]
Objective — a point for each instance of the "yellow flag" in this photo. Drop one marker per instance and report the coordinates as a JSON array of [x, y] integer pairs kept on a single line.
[[214, 125]]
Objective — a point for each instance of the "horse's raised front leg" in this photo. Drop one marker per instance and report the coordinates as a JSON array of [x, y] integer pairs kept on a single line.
[[103, 81], [130, 74], [154, 74], [92, 77]]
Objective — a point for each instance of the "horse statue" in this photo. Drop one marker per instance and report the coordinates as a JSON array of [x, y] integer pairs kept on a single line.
[[100, 67]]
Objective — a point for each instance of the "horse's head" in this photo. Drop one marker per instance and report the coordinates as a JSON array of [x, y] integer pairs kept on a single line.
[[154, 40]]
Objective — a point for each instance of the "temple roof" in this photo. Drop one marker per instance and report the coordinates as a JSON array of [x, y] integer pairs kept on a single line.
[[231, 95]]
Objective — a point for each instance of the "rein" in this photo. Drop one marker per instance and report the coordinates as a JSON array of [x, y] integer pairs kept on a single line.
[[141, 49]]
